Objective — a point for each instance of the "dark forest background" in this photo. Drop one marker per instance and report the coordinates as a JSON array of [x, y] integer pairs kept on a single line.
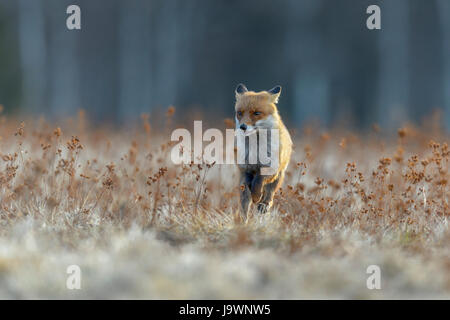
[[139, 56]]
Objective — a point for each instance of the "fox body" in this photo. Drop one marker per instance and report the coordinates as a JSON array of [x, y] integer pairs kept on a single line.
[[256, 111]]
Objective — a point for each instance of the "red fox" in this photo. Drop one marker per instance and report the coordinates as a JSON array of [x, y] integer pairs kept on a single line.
[[256, 111]]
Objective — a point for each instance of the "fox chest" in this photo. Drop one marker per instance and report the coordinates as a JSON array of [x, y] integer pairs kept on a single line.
[[255, 151]]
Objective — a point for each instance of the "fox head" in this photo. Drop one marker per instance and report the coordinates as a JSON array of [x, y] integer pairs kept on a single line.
[[256, 110]]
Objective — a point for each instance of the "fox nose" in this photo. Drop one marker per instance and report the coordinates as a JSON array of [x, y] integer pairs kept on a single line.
[[243, 127]]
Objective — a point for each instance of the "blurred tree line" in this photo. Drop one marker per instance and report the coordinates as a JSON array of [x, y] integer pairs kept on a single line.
[[136, 56]]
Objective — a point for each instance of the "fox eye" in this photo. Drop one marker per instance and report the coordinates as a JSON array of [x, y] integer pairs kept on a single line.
[[256, 113], [239, 113]]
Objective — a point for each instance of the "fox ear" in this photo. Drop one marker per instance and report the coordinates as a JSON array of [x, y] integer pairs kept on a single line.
[[275, 93], [240, 89]]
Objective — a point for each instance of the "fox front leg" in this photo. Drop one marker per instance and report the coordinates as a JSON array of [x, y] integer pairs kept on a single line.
[[269, 192], [256, 188], [245, 194]]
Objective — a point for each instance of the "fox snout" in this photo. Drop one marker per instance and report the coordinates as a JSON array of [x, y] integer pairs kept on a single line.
[[246, 128]]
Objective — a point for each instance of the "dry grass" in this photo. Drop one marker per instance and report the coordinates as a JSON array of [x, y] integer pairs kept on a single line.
[[140, 227]]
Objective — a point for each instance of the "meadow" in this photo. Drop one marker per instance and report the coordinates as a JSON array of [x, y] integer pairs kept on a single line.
[[111, 201]]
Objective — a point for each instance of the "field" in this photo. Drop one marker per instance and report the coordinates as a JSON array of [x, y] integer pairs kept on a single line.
[[112, 202]]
